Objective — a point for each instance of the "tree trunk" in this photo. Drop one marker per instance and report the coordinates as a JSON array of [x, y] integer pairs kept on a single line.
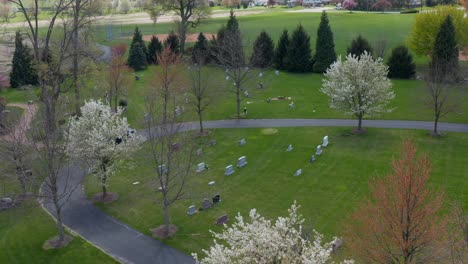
[[200, 117], [238, 99], [75, 58], [436, 121], [359, 123], [103, 182], [183, 34], [58, 211], [167, 222]]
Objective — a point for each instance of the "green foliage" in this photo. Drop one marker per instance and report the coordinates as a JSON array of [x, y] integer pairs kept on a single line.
[[137, 59], [325, 53], [263, 51], [232, 24], [172, 42], [400, 64], [200, 53], [154, 48], [22, 71], [281, 51], [137, 38], [445, 55], [358, 46], [299, 58], [422, 38]]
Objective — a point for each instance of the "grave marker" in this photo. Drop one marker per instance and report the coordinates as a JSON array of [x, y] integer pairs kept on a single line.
[[229, 170], [319, 150], [241, 162], [192, 210]]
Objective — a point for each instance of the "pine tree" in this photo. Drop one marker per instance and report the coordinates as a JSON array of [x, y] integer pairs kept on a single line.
[[263, 51], [154, 48], [172, 42], [137, 59], [358, 46], [299, 57], [400, 64], [444, 63], [22, 71], [281, 51], [232, 24], [137, 38], [325, 53], [200, 53]]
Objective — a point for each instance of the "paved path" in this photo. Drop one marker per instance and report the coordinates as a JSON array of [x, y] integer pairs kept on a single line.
[[130, 246]]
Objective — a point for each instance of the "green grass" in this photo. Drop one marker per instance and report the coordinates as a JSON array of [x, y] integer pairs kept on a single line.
[[328, 189], [24, 230]]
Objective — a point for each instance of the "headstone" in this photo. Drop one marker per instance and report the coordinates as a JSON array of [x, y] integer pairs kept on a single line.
[[206, 204], [337, 244], [319, 150], [211, 183], [227, 78], [160, 189], [216, 199], [199, 152], [242, 142], [269, 100], [260, 74], [162, 169], [260, 85], [136, 183], [276, 72], [312, 159], [325, 141], [176, 146], [291, 105], [290, 148], [177, 111], [298, 172], [229, 170], [201, 167], [222, 220], [246, 93], [212, 142], [241, 162], [6, 200], [192, 210], [137, 78], [30, 102], [28, 173]]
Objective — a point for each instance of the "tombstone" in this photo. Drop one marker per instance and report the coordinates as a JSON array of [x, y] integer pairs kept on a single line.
[[6, 203], [222, 220], [325, 141], [242, 142], [229, 170], [260, 85], [136, 183], [201, 167], [241, 162], [162, 169], [213, 142], [191, 210], [269, 100], [227, 78], [30, 102], [245, 110], [206, 204], [160, 189], [176, 146], [290, 148], [276, 72], [199, 152], [137, 78], [336, 244], [291, 105], [246, 93], [28, 173], [298, 172], [260, 74], [312, 159], [177, 111], [211, 183], [216, 199], [147, 117], [319, 150]]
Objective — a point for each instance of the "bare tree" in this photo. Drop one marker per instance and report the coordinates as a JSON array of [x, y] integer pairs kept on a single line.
[[458, 235], [117, 77], [380, 46], [169, 152]]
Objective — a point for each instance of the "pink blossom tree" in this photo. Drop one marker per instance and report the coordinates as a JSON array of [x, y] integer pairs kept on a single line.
[[349, 4]]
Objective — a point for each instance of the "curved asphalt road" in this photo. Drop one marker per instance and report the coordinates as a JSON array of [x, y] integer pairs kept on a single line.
[[130, 246]]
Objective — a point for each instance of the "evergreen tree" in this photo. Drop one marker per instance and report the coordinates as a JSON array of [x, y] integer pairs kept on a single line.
[[400, 64], [281, 51], [325, 48], [200, 53], [137, 59], [172, 42], [22, 71], [299, 57], [358, 46], [138, 38], [154, 48], [263, 51], [232, 24], [444, 63]]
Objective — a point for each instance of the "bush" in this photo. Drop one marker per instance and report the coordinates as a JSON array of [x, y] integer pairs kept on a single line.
[[400, 64], [358, 46], [137, 60], [123, 102], [409, 11]]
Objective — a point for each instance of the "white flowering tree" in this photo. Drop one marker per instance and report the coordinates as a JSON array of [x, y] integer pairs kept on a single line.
[[358, 86], [261, 241], [102, 139]]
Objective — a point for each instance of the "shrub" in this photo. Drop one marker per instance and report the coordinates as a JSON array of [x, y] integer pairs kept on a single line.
[[358, 46], [123, 102], [400, 64]]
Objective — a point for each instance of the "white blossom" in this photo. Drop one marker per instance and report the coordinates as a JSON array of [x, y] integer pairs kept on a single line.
[[358, 86], [101, 138], [261, 241]]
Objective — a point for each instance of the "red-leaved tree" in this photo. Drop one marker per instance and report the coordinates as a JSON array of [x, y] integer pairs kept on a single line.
[[401, 221], [382, 5]]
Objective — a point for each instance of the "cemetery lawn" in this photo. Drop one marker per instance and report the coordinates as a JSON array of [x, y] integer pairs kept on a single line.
[[24, 230], [328, 190]]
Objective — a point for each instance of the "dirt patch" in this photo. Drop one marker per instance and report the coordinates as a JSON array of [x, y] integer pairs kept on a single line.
[[463, 55], [190, 37], [161, 232], [110, 197], [54, 242]]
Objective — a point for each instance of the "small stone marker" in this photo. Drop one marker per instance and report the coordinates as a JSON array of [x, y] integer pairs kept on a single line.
[[276, 72], [211, 183], [229, 170], [176, 146], [242, 142], [201, 167], [212, 142], [319, 150], [290, 148], [135, 183], [241, 162], [30, 102], [206, 204], [192, 210], [162, 169], [291, 105], [160, 189], [298, 172], [28, 173], [216, 199], [312, 159], [325, 141], [137, 78], [199, 152], [222, 220], [177, 111], [246, 93], [336, 244]]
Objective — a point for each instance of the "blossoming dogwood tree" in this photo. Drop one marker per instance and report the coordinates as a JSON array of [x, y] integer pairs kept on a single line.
[[261, 241], [101, 138], [358, 86]]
